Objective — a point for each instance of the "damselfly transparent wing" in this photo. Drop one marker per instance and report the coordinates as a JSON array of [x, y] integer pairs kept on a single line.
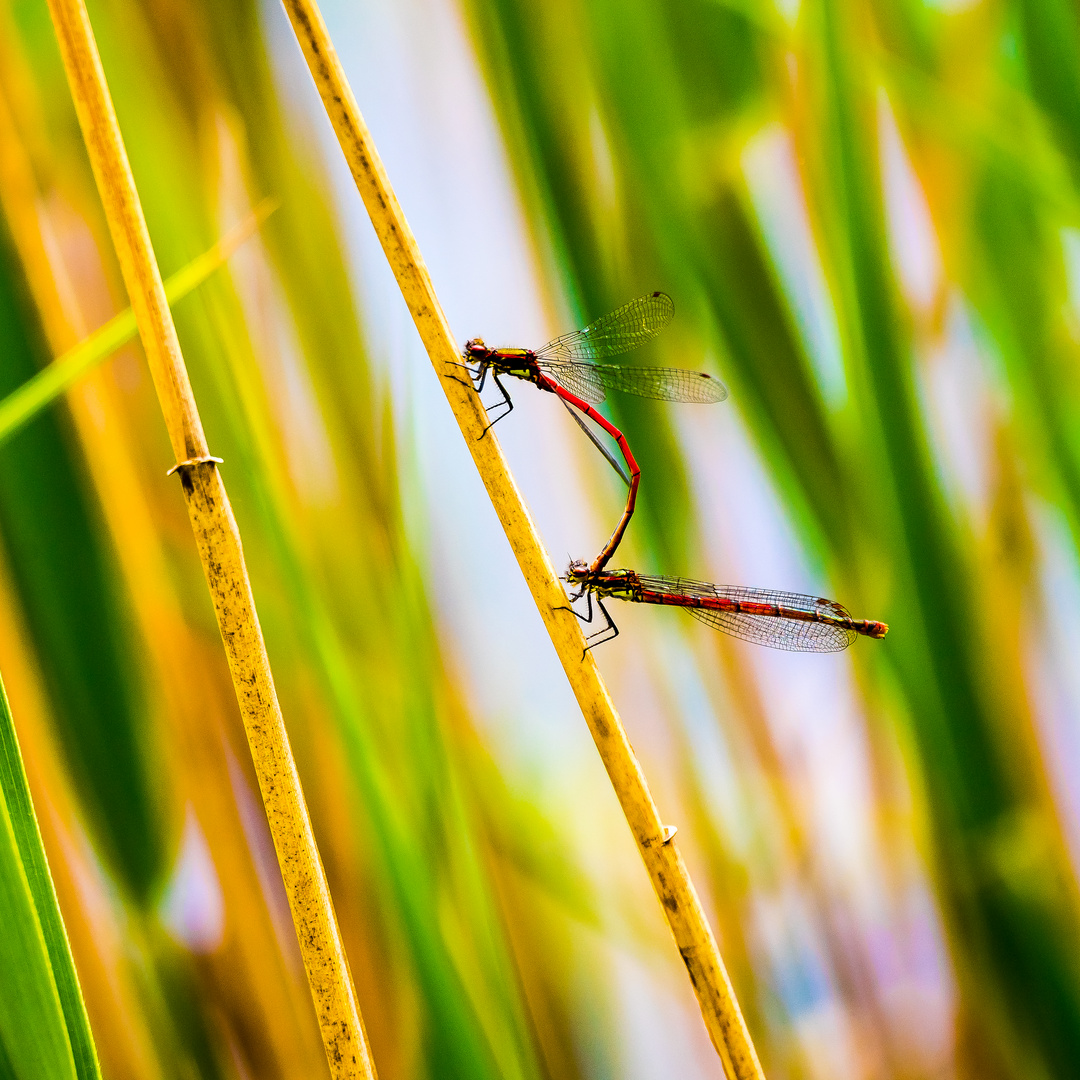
[[590, 381], [581, 379], [801, 623], [663, 384], [616, 333], [595, 440]]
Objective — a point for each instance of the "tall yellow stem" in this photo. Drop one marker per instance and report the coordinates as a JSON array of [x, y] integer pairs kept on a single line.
[[681, 905], [220, 549]]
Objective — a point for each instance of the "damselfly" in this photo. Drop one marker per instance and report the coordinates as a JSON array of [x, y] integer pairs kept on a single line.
[[564, 367], [570, 360], [781, 620]]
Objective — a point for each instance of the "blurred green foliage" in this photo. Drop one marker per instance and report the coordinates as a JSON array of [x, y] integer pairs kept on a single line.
[[66, 582], [678, 90], [628, 126]]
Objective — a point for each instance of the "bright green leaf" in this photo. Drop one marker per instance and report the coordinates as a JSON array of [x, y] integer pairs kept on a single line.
[[34, 872]]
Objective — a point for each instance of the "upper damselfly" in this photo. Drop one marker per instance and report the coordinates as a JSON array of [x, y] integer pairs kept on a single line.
[[781, 620], [566, 367], [571, 360]]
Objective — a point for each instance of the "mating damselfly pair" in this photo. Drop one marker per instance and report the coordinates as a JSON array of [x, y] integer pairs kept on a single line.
[[571, 367]]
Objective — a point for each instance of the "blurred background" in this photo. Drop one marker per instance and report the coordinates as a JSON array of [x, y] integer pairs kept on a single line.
[[869, 218]]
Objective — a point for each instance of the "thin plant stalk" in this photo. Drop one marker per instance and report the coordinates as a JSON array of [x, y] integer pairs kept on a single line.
[[220, 549], [250, 954], [679, 900]]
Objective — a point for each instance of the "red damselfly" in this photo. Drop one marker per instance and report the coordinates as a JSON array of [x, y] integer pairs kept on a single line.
[[566, 367], [570, 360], [781, 620]]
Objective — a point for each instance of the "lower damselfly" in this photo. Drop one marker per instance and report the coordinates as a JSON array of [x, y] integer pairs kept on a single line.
[[781, 620]]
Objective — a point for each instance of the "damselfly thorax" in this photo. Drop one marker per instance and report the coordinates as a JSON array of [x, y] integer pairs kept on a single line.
[[520, 363]]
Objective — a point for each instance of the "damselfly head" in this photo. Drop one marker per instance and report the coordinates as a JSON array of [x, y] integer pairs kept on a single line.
[[577, 573], [873, 629], [475, 347]]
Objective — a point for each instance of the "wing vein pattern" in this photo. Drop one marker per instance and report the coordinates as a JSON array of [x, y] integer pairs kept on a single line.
[[794, 635], [616, 333], [590, 381]]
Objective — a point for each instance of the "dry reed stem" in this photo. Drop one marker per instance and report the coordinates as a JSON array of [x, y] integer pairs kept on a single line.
[[220, 549], [249, 962], [670, 878]]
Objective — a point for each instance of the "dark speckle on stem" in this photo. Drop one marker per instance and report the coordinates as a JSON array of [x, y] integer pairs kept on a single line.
[[691, 967]]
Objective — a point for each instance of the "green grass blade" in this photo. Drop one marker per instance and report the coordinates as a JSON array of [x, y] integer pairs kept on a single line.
[[31, 1019], [32, 1027], [15, 794], [37, 393]]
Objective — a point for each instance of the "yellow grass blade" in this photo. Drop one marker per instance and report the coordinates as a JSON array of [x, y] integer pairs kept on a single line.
[[220, 550]]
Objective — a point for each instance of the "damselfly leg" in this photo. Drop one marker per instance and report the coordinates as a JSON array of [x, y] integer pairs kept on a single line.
[[506, 400], [471, 384], [477, 378], [597, 638]]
